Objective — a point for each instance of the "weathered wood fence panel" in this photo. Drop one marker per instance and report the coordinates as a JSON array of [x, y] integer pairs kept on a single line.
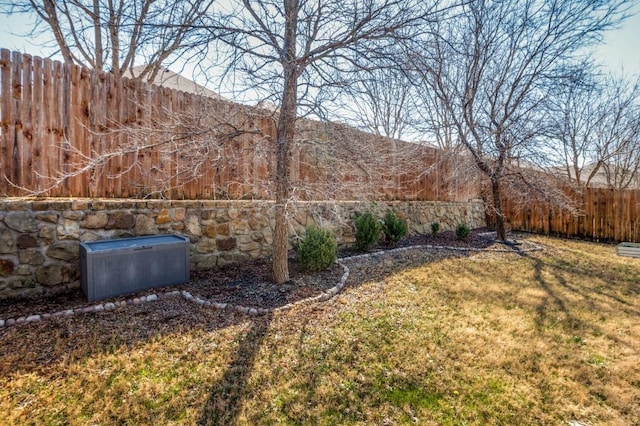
[[603, 215], [66, 131], [69, 131]]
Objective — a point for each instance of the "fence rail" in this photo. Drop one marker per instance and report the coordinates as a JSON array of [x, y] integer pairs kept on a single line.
[[69, 131], [603, 214]]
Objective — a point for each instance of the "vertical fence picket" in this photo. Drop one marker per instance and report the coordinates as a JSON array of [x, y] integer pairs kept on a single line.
[[634, 216], [57, 161], [74, 135], [178, 169], [16, 100], [44, 132], [113, 107], [27, 115], [82, 124], [37, 118], [5, 120]]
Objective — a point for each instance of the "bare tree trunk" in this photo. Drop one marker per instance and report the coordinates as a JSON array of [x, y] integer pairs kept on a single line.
[[98, 35], [286, 129], [286, 134], [497, 206]]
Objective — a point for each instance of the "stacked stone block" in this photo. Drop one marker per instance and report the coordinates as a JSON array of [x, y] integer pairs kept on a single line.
[[39, 239]]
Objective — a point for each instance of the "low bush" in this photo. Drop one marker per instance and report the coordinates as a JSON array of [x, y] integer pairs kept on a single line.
[[435, 228], [394, 227], [462, 231], [317, 250], [368, 230]]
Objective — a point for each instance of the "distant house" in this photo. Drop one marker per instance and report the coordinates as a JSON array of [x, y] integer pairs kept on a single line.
[[172, 80], [607, 176]]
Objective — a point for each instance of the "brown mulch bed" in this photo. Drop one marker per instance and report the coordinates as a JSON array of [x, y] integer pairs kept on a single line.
[[249, 284], [478, 238]]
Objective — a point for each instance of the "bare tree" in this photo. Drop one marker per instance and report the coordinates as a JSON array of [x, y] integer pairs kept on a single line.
[[574, 112], [623, 169], [289, 51], [492, 70], [378, 102], [112, 35], [597, 124], [436, 127]]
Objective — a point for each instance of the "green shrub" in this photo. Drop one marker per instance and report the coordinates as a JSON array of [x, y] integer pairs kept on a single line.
[[462, 231], [317, 250], [435, 228], [394, 227], [368, 230]]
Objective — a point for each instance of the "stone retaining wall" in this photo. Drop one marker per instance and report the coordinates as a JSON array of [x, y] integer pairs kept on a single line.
[[39, 239]]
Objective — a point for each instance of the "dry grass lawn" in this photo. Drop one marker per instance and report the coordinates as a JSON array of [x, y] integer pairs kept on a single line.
[[543, 338]]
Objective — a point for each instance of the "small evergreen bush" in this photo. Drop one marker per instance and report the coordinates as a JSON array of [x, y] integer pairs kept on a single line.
[[394, 227], [368, 230], [462, 231], [317, 250], [435, 228]]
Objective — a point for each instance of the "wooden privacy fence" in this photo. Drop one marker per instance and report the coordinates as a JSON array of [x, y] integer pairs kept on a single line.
[[603, 214], [69, 131]]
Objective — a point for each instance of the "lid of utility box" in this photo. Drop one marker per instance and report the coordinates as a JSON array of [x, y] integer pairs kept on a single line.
[[124, 243]]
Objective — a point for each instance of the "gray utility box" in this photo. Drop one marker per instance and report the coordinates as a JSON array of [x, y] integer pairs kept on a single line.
[[629, 249], [111, 268]]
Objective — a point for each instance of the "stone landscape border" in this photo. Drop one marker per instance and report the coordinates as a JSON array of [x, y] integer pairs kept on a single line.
[[253, 311]]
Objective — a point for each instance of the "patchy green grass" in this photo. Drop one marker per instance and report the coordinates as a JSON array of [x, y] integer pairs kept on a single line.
[[489, 339]]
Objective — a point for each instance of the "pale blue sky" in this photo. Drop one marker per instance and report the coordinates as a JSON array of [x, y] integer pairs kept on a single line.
[[621, 48]]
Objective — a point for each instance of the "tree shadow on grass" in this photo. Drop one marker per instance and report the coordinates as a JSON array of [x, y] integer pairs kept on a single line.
[[50, 347], [551, 302], [592, 284], [567, 301], [225, 399], [610, 288]]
